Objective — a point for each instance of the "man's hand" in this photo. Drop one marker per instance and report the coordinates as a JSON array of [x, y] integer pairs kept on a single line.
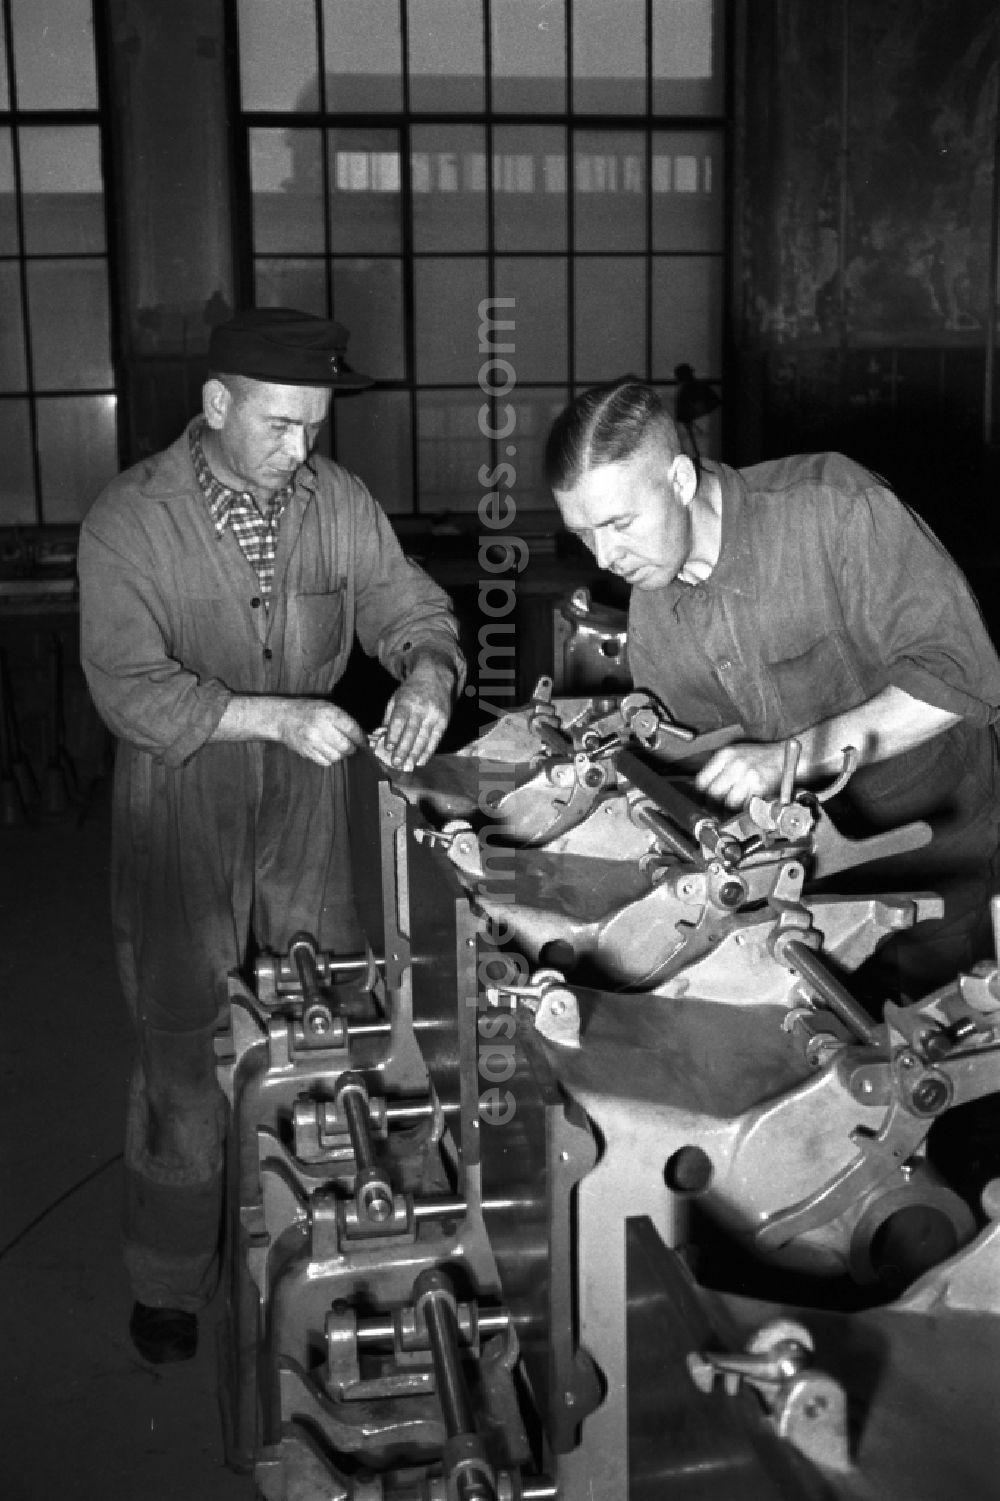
[[417, 715], [740, 771], [318, 730]]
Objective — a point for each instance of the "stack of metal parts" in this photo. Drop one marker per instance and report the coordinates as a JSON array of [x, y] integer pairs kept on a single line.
[[592, 1178]]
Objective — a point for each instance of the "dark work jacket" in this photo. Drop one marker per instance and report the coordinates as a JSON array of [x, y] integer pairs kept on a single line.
[[828, 590], [169, 635]]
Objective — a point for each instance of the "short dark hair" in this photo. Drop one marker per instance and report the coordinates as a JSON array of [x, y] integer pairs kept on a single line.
[[603, 425]]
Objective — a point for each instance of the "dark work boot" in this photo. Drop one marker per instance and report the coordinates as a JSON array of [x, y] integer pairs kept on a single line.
[[162, 1335]]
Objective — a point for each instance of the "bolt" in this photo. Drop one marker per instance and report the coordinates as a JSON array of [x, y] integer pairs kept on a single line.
[[557, 1007], [731, 893], [593, 777], [319, 1023], [815, 1407], [378, 1206], [930, 1095]]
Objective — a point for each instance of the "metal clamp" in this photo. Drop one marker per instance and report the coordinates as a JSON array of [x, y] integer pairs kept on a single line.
[[555, 1007], [806, 1407]]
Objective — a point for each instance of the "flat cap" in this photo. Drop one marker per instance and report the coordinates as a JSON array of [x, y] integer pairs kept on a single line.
[[285, 347]]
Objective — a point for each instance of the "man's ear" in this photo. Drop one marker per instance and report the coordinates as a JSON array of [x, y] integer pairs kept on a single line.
[[216, 399], [684, 478]]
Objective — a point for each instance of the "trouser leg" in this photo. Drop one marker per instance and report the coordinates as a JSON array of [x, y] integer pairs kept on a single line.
[[180, 913], [174, 1139]]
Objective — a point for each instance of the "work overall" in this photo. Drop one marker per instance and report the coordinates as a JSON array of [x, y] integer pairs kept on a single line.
[[827, 590], [213, 842]]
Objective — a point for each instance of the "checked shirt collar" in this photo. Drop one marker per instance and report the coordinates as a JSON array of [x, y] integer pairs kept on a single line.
[[256, 534]]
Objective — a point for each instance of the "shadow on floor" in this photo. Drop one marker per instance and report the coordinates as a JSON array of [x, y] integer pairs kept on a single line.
[[83, 1417]]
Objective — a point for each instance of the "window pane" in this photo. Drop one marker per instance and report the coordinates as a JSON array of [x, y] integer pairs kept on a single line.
[[529, 187], [78, 443], [610, 317], [451, 449], [447, 295], [363, 55], [609, 57], [54, 54], [448, 176], [534, 413], [286, 178], [8, 203], [368, 298], [687, 190], [529, 57], [538, 288], [17, 501], [374, 442], [688, 57], [446, 55], [68, 309], [279, 54], [609, 180], [687, 315], [13, 364], [291, 283], [63, 190], [364, 190]]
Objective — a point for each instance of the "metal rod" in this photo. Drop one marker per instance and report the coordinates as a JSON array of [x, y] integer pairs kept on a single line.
[[369, 1029], [353, 1101], [443, 1208], [667, 833], [382, 1331], [433, 1293], [401, 1111], [303, 954], [805, 963]]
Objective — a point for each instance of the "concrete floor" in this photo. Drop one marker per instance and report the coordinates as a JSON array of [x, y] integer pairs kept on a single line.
[[82, 1415]]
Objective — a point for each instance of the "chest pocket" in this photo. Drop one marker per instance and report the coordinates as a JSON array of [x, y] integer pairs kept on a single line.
[[813, 685], [316, 626]]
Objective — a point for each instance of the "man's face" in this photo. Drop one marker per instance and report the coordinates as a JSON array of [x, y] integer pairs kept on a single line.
[[632, 517], [263, 432]]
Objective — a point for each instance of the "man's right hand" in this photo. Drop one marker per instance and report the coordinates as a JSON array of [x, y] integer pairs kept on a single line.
[[311, 727], [319, 731]]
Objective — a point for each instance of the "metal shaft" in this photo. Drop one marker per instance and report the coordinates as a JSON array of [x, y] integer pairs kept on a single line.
[[432, 1291], [303, 955], [355, 1107], [802, 959]]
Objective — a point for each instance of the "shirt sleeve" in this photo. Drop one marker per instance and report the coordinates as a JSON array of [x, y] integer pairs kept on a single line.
[[909, 602], [143, 694], [401, 611]]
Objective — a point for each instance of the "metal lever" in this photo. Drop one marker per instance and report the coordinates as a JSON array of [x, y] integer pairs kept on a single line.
[[464, 1461], [790, 765], [372, 1190]]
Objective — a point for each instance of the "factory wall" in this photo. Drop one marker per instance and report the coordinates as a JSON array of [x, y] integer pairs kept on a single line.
[[865, 266]]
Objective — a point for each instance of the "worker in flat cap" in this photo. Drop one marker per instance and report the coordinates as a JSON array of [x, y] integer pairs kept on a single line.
[[223, 583]]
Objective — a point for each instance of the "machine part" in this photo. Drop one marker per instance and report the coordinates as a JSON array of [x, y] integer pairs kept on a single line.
[[589, 642], [806, 1407], [465, 1465], [373, 1195], [717, 1115]]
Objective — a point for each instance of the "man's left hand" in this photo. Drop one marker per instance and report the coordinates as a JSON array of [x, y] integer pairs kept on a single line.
[[745, 769], [417, 715]]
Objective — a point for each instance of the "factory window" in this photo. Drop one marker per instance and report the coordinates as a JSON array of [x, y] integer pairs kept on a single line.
[[410, 160], [58, 416]]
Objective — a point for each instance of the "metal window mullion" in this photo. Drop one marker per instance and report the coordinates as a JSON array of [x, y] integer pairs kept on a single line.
[[649, 191], [29, 361], [324, 155], [569, 148], [408, 266]]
